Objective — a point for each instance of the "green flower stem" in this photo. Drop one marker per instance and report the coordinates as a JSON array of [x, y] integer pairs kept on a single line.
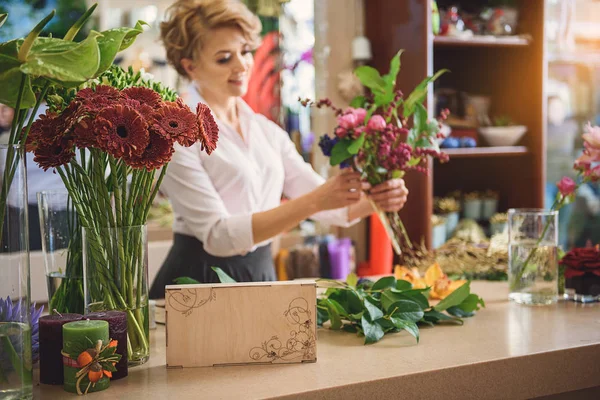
[[15, 360]]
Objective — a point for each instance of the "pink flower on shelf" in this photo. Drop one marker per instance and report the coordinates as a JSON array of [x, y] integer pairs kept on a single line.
[[566, 186], [360, 114], [376, 123], [348, 121]]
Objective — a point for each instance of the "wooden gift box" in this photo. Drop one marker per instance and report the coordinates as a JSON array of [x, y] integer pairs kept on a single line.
[[241, 323]]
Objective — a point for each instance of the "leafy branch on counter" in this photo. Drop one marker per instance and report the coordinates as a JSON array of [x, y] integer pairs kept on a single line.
[[374, 309]]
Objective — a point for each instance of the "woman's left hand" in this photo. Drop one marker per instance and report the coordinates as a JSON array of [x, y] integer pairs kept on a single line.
[[390, 195]]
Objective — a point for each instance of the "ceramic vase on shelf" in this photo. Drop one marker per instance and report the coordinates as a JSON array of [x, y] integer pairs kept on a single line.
[[115, 274], [15, 326], [61, 246]]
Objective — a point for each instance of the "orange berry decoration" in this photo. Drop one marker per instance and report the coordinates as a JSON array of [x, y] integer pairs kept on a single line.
[[86, 357], [95, 373]]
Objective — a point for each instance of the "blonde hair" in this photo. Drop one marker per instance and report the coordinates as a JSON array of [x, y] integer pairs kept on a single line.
[[189, 21]]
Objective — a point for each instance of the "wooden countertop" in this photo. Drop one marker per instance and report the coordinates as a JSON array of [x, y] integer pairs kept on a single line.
[[506, 351]]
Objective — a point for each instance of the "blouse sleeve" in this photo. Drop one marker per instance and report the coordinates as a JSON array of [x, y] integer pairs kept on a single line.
[[197, 202], [301, 178]]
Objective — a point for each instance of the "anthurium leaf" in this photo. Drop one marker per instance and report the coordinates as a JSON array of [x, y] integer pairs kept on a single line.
[[408, 326], [223, 277], [340, 152], [372, 330], [352, 279], [401, 284], [419, 93], [370, 78], [384, 283], [63, 61], [10, 79], [115, 40], [373, 311], [454, 298], [407, 310], [30, 39], [72, 32], [184, 280], [437, 317], [390, 77], [356, 144], [358, 102], [3, 18]]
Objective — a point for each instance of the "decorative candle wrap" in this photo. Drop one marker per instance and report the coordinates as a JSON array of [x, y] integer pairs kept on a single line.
[[79, 336], [117, 330], [51, 344]]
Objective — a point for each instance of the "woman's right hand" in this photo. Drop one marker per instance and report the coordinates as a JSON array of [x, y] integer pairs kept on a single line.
[[339, 191]]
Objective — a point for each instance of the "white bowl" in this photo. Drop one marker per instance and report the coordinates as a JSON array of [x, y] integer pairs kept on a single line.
[[502, 135]]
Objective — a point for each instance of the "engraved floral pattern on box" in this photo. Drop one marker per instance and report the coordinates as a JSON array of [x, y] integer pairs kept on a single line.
[[187, 300]]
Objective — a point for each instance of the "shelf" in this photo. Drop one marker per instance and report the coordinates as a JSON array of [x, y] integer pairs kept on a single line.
[[482, 41], [473, 152]]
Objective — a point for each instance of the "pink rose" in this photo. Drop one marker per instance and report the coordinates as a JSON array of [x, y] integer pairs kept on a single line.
[[376, 123], [347, 121], [341, 132], [566, 186], [360, 114]]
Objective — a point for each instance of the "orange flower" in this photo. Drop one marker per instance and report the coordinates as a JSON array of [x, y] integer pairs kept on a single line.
[[439, 283]]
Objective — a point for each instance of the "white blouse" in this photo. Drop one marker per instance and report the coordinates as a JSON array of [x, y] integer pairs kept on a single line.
[[214, 197]]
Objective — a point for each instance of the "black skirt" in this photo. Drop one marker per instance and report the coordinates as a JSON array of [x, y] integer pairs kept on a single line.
[[187, 258]]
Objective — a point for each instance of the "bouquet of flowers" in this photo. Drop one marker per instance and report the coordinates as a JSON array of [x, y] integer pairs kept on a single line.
[[107, 141], [383, 135]]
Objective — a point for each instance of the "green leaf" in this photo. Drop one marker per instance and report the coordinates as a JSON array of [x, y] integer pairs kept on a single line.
[[383, 99], [471, 303], [223, 277], [417, 296], [384, 283], [10, 79], [408, 326], [352, 279], [370, 78], [419, 94], [373, 311], [389, 297], [79, 23], [458, 312], [184, 280], [356, 317], [3, 18], [350, 328], [454, 298], [115, 40], [407, 310], [358, 102], [61, 61], [372, 330], [32, 36], [390, 77], [340, 152], [322, 315], [334, 316], [436, 317], [348, 300], [356, 144], [403, 285]]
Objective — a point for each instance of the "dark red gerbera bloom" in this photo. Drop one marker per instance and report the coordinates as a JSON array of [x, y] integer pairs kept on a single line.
[[46, 129], [94, 100], [85, 132], [55, 153], [176, 124], [208, 128], [158, 152], [121, 131], [143, 95]]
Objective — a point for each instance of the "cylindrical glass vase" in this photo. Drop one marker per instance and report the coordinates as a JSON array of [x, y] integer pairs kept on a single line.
[[61, 245], [115, 274], [15, 325], [533, 256]]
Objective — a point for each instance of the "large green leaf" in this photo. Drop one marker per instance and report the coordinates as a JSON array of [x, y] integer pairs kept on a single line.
[[60, 60], [115, 40], [389, 297], [223, 277], [185, 280], [334, 315], [390, 77], [408, 326], [401, 284], [437, 317], [418, 95], [384, 283], [373, 311], [340, 152], [10, 78], [454, 298], [417, 296], [72, 32], [358, 102], [373, 331], [419, 124], [407, 310], [370, 78], [3, 18], [357, 144]]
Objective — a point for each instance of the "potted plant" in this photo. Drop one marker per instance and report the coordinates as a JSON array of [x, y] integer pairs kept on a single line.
[[489, 204], [472, 206], [498, 223], [449, 208], [438, 231]]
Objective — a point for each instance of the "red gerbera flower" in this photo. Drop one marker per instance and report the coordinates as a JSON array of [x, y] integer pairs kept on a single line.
[[158, 152], [94, 100], [176, 124], [55, 153], [85, 132], [208, 128], [143, 95], [121, 131], [46, 129]]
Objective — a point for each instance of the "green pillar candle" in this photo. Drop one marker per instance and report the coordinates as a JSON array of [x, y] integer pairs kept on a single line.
[[79, 336]]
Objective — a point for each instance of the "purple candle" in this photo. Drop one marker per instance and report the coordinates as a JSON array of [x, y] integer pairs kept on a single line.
[[117, 330], [51, 344]]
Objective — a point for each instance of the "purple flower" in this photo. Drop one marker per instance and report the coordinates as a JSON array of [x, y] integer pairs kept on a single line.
[[326, 144], [11, 312]]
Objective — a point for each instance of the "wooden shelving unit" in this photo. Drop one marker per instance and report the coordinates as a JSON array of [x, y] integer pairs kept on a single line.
[[483, 41], [509, 70]]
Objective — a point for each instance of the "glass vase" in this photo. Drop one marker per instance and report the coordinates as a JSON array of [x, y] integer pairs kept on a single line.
[[15, 326], [533, 256], [115, 277], [61, 246]]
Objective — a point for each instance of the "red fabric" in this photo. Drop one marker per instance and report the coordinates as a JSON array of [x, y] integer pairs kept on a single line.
[[381, 254]]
